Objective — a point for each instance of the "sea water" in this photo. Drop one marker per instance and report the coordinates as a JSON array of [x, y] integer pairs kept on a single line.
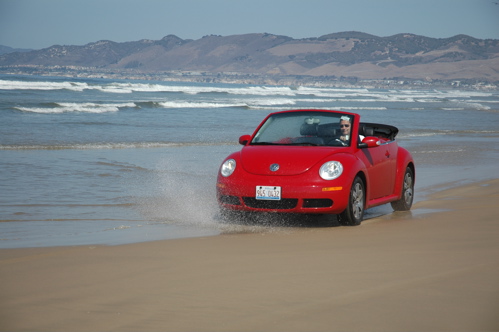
[[97, 161]]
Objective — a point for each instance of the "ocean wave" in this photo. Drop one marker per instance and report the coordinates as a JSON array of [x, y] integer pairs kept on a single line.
[[469, 105], [42, 85], [262, 90], [111, 146], [190, 104], [456, 150], [196, 89], [118, 87], [418, 134], [415, 134], [56, 108], [211, 96], [354, 108], [485, 101], [246, 103], [59, 107]]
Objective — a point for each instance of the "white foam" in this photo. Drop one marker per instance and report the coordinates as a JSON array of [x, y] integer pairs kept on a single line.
[[249, 103], [320, 91], [270, 102], [283, 95], [470, 105], [446, 132], [360, 108], [484, 101], [108, 146], [189, 104], [358, 94], [426, 134], [43, 85], [195, 89], [180, 197], [77, 107], [443, 151]]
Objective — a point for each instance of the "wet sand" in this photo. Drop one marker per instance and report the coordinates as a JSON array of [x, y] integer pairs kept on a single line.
[[433, 269]]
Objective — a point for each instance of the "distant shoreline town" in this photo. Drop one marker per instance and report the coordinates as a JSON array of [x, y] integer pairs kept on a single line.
[[244, 78]]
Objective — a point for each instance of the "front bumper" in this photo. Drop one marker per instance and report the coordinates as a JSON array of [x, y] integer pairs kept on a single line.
[[298, 196]]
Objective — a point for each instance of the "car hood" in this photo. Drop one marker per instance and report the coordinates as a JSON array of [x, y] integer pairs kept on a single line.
[[292, 160]]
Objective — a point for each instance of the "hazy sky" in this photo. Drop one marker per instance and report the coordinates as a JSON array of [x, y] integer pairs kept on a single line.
[[43, 23]]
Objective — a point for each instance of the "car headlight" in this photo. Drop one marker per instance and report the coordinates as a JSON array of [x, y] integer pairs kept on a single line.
[[228, 167], [331, 170]]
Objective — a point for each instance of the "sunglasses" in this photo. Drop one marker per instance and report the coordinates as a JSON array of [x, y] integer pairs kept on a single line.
[[344, 125]]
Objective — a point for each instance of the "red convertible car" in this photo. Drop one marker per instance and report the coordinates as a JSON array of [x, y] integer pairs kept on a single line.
[[317, 162]]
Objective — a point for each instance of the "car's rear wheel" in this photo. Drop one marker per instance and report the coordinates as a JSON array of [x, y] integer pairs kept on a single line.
[[405, 202], [353, 214]]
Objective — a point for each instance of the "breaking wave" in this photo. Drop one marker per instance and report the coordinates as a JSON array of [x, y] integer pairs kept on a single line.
[[169, 95], [429, 133], [55, 108], [446, 98], [110, 145]]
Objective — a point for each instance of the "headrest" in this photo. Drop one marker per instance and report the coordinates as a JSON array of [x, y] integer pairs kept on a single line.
[[327, 130], [366, 131], [308, 129]]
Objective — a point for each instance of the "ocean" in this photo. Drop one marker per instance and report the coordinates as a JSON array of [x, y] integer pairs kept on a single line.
[[100, 161]]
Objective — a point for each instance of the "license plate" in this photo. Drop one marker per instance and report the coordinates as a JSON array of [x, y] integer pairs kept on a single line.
[[268, 193]]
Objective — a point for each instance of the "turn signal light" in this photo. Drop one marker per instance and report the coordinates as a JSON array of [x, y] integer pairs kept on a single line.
[[332, 188]]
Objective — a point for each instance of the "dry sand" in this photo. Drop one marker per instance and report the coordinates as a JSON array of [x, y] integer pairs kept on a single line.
[[429, 270]]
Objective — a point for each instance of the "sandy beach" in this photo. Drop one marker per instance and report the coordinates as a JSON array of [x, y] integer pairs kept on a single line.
[[433, 269]]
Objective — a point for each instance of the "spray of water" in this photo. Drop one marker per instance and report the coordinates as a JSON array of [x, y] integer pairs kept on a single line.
[[182, 192]]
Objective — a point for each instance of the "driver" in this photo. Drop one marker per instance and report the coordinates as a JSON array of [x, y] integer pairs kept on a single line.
[[345, 126]]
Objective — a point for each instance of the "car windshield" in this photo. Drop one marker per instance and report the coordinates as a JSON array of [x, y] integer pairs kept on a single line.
[[305, 128]]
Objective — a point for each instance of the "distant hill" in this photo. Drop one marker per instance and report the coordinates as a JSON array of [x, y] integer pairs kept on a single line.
[[7, 49], [343, 54]]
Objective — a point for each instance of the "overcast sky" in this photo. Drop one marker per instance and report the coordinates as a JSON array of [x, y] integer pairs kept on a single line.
[[42, 23]]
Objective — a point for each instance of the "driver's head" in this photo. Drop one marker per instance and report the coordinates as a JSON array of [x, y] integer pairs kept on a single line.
[[345, 125]]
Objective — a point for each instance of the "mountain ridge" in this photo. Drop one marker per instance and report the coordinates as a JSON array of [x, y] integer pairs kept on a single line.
[[6, 49], [341, 54]]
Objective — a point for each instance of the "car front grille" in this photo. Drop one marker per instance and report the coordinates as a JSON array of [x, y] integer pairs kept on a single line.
[[317, 203], [283, 204]]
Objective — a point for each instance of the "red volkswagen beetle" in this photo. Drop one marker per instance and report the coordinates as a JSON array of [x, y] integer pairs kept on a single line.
[[317, 162]]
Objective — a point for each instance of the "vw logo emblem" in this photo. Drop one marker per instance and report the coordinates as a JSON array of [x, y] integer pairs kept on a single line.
[[274, 167]]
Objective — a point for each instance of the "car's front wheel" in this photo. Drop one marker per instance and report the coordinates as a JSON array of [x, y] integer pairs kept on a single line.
[[353, 214], [405, 202]]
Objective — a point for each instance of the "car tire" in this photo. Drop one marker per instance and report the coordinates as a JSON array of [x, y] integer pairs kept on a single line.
[[354, 213], [405, 202]]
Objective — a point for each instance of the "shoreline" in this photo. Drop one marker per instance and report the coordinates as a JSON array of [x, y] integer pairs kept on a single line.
[[195, 77], [434, 268]]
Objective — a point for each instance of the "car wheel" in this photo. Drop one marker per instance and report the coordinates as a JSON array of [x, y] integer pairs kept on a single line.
[[353, 214], [405, 202]]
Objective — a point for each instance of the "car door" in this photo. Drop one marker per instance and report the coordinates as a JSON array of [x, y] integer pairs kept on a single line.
[[381, 163]]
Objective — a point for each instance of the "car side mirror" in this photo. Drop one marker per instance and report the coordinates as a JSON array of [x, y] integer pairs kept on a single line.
[[370, 142], [243, 140]]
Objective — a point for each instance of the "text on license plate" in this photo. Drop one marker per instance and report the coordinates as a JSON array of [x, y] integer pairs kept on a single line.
[[268, 192]]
